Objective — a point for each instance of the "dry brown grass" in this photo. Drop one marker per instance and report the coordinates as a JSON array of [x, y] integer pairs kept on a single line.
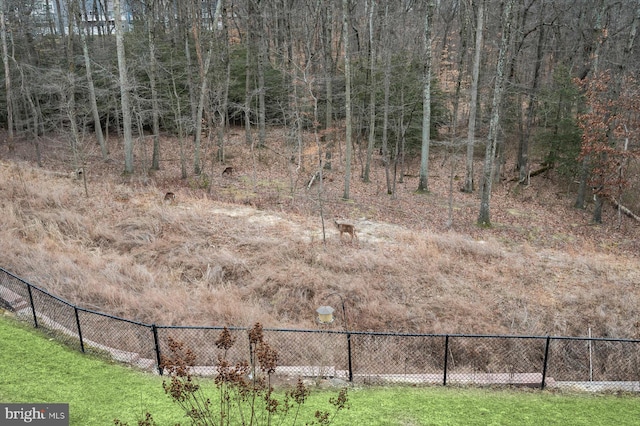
[[252, 250]]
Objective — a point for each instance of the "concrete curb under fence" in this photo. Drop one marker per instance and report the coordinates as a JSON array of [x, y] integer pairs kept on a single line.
[[580, 363]]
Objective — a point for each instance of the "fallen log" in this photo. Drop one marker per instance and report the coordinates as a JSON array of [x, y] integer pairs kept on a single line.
[[315, 178], [532, 174], [624, 209]]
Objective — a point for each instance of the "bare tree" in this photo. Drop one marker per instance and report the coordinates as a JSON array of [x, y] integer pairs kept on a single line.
[[223, 88], [523, 149], [454, 145], [7, 72], [473, 103], [124, 90], [347, 94], [423, 185], [261, 63], [248, 68], [177, 112], [484, 218], [387, 89], [372, 90], [328, 69], [153, 73], [91, 86], [598, 41], [203, 71]]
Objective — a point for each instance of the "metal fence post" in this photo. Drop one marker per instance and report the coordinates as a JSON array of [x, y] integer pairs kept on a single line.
[[446, 359], [349, 356], [156, 344], [545, 362], [75, 308], [33, 307]]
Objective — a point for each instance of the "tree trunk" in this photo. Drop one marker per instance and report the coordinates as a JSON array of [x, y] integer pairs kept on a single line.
[[193, 104], [7, 74], [69, 105], [586, 161], [372, 95], [296, 125], [484, 218], [223, 112], [347, 103], [600, 31], [203, 69], [155, 107], [632, 33], [68, 89], [247, 70], [399, 154], [92, 95], [453, 147], [473, 104], [50, 23], [124, 91], [423, 185], [387, 90], [597, 209], [328, 76], [261, 59], [60, 17], [204, 85], [177, 112], [523, 152]]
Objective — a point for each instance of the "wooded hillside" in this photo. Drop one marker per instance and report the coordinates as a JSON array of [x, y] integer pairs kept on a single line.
[[486, 77]]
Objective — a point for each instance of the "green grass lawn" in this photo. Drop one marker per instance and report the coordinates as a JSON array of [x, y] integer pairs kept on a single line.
[[36, 369]]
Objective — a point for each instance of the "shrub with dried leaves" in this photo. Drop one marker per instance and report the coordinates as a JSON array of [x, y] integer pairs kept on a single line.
[[246, 394]]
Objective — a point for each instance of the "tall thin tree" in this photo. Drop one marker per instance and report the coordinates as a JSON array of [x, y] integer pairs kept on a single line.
[[523, 151], [328, 69], [484, 218], [597, 41], [423, 185], [153, 76], [347, 94], [473, 104], [91, 86], [124, 90], [372, 91], [387, 90], [7, 72], [261, 65]]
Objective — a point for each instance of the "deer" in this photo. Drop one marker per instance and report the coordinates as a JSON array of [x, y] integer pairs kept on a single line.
[[346, 228], [170, 197]]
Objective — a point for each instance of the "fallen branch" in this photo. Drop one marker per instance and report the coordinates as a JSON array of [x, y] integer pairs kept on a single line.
[[624, 209], [532, 174], [314, 178]]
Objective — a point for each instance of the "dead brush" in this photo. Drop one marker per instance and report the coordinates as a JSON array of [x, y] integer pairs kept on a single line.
[[246, 394]]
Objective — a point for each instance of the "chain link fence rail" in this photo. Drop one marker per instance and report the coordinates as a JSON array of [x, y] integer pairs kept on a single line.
[[580, 363]]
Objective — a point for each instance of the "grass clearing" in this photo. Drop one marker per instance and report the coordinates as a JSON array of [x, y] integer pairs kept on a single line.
[[35, 368]]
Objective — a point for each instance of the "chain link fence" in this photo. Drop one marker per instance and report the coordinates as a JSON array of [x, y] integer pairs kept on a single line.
[[581, 363]]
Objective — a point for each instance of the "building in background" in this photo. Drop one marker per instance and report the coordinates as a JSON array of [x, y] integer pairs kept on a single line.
[[52, 16]]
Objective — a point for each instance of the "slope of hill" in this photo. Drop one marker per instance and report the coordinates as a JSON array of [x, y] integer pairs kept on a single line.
[[255, 247]]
